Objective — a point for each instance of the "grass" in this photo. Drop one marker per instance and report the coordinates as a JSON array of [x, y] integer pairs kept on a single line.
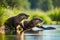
[[5, 14], [54, 15], [48, 17]]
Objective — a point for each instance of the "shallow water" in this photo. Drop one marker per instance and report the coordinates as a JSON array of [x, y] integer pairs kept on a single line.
[[41, 35]]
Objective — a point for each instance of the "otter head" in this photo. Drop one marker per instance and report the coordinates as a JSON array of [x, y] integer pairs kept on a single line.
[[37, 20], [23, 16]]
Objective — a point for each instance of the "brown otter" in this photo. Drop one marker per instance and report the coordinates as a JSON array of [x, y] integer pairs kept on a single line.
[[30, 24], [27, 25], [13, 22]]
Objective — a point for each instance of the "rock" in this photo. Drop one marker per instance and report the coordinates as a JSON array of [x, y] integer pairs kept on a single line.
[[49, 28]]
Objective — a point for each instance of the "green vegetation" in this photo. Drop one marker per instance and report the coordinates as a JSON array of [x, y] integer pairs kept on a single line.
[[48, 10], [48, 17], [55, 15], [1, 15]]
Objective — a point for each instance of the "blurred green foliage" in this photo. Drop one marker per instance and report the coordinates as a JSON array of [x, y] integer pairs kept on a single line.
[[41, 4], [1, 15], [54, 14], [30, 4], [48, 10], [19, 4]]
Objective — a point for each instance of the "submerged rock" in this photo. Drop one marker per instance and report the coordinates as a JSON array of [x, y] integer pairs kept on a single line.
[[49, 28]]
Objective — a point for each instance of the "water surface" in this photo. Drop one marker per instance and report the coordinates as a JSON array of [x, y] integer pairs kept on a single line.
[[41, 35]]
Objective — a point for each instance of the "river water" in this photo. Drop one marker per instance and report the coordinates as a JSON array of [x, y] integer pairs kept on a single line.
[[41, 35]]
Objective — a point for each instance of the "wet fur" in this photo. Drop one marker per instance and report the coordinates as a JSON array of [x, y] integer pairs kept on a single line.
[[13, 22], [30, 24]]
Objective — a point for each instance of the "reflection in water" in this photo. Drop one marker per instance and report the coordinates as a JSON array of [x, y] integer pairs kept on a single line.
[[2, 37], [42, 35], [38, 36], [34, 37]]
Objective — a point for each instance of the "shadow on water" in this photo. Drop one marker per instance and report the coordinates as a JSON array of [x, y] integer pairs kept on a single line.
[[41, 35]]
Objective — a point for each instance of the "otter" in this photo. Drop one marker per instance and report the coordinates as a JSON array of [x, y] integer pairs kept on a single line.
[[13, 22], [27, 25]]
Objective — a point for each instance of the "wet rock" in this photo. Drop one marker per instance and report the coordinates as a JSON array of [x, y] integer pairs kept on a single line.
[[47, 28]]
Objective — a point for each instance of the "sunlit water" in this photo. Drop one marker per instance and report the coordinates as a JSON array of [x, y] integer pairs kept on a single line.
[[41, 35]]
